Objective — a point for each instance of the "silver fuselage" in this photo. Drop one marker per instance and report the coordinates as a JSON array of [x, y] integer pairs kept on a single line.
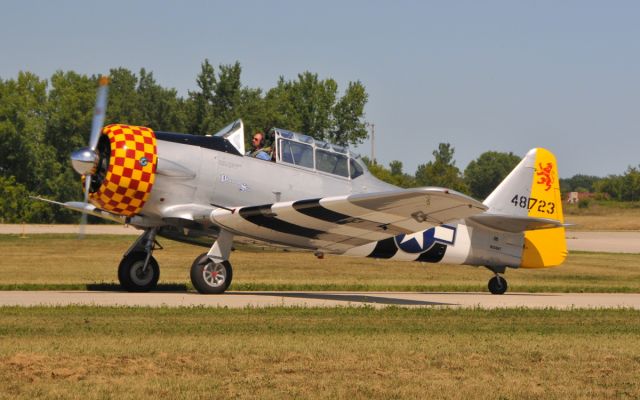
[[231, 180]]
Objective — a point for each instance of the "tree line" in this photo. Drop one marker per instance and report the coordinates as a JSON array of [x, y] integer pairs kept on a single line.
[[43, 120], [624, 187]]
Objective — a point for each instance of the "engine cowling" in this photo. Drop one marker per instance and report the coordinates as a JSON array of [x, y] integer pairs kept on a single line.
[[126, 169]]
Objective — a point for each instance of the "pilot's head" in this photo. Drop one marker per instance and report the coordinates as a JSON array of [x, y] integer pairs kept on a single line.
[[258, 140]]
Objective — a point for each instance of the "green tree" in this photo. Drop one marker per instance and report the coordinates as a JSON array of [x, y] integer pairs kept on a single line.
[[279, 107], [311, 106], [579, 183], [227, 94], [27, 162], [14, 201], [631, 185], [160, 108], [624, 187], [69, 110], [221, 98], [23, 115], [349, 127], [396, 167], [199, 104], [123, 106], [485, 173], [392, 175], [442, 171]]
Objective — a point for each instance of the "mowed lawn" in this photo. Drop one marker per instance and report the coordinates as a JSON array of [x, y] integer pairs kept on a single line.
[[354, 353], [63, 261], [603, 216]]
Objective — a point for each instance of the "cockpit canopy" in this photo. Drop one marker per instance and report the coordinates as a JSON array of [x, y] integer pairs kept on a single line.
[[300, 150], [306, 152]]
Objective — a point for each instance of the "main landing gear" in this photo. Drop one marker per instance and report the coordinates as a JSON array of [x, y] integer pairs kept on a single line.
[[210, 277], [497, 284], [211, 272]]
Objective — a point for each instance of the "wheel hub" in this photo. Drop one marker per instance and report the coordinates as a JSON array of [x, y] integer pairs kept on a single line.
[[214, 274], [139, 276]]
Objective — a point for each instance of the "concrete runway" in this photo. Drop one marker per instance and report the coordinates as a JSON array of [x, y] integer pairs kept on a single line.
[[322, 299], [608, 242]]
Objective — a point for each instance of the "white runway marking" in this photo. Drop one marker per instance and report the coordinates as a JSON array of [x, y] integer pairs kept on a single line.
[[322, 299]]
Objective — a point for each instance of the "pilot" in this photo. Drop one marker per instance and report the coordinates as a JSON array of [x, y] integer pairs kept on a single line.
[[259, 151]]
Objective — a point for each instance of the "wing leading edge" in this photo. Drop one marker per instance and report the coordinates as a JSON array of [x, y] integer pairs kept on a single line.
[[337, 224]]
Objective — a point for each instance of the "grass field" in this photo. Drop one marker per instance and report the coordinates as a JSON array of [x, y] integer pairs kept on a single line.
[[62, 261], [95, 353], [603, 216]]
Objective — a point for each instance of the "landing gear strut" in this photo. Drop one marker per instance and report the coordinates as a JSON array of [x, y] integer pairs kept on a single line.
[[139, 271]]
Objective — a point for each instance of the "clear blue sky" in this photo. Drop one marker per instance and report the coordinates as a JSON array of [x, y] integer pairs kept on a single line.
[[481, 75]]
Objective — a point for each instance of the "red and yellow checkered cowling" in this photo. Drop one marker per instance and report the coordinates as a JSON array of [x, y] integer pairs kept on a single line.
[[132, 170]]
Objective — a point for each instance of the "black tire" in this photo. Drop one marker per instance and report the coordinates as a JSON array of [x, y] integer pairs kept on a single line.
[[497, 285], [209, 277], [130, 273]]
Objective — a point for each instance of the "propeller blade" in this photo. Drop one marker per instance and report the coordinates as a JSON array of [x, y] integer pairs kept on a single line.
[[99, 112], [83, 219], [83, 224], [84, 160]]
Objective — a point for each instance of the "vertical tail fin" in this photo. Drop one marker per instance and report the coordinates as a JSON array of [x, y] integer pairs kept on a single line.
[[532, 190]]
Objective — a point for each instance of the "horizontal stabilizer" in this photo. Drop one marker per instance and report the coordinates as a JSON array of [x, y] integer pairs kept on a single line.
[[514, 224]]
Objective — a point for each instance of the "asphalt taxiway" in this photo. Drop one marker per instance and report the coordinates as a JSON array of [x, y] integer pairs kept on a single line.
[[322, 299]]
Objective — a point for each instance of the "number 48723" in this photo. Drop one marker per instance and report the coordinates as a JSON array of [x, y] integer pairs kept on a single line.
[[531, 203]]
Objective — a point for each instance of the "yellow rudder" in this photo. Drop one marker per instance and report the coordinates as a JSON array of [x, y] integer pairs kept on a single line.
[[545, 247]]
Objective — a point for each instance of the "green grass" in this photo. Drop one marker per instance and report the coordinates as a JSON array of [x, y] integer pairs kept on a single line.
[[603, 216], [55, 262], [359, 353]]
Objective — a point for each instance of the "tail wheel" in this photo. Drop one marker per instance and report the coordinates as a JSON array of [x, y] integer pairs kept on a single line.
[[134, 277], [497, 285], [210, 277]]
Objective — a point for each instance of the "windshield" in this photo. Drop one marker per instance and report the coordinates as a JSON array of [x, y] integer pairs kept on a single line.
[[227, 129]]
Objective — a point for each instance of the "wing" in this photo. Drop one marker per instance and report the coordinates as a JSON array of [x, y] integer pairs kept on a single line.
[[85, 208], [337, 224]]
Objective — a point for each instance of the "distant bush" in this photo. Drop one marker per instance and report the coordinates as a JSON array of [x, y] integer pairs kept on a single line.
[[584, 203]]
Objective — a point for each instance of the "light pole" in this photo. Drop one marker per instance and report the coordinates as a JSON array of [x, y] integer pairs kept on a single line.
[[373, 140]]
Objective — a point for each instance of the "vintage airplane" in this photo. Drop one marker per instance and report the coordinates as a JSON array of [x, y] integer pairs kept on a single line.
[[313, 195]]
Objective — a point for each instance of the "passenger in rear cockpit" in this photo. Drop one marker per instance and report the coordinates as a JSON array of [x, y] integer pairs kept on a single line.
[[259, 151]]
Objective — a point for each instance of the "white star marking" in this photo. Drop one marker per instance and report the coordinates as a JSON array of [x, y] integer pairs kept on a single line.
[[417, 236]]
